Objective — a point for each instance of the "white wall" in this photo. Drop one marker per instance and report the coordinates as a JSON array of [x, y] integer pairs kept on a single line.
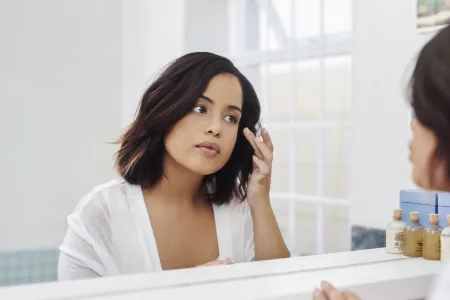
[[153, 35], [79, 69], [155, 32], [386, 43], [206, 26], [60, 105]]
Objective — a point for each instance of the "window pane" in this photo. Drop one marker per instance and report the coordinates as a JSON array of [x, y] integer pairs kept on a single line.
[[247, 13], [337, 84], [338, 16], [335, 169], [280, 166], [306, 161], [252, 73], [270, 21], [282, 15], [271, 27], [307, 19], [335, 228], [307, 78], [336, 89], [281, 210], [277, 79], [305, 217]]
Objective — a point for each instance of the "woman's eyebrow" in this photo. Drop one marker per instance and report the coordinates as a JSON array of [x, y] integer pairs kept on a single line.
[[234, 107]]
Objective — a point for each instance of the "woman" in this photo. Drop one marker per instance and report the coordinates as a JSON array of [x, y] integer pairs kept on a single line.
[[430, 145], [194, 181]]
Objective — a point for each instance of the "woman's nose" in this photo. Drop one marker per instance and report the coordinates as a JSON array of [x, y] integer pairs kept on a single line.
[[215, 127]]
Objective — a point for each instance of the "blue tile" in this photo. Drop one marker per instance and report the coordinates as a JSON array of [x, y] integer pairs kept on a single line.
[[31, 266]]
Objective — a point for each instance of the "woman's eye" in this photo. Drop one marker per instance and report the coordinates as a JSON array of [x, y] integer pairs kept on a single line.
[[231, 119], [199, 109]]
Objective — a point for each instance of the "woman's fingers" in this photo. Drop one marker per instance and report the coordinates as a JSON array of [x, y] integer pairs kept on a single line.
[[217, 263], [267, 139], [350, 295], [264, 170], [251, 139], [267, 154], [319, 295], [331, 292], [262, 148]]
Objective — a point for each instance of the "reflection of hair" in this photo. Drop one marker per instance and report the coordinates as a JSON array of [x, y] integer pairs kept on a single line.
[[430, 91], [168, 99]]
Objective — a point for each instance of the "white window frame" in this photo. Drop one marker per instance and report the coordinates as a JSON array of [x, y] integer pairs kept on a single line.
[[319, 48]]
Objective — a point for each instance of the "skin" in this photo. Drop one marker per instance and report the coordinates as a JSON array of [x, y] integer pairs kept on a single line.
[[428, 172], [176, 205]]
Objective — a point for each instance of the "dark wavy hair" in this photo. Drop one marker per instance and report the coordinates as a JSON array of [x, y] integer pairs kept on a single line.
[[430, 92], [169, 98]]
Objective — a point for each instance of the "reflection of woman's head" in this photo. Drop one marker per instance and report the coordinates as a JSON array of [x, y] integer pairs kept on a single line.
[[192, 118], [430, 100]]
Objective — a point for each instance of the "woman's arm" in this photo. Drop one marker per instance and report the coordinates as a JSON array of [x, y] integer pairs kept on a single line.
[[78, 259], [269, 243], [70, 268]]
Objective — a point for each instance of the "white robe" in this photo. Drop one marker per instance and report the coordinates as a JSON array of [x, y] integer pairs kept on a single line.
[[441, 286], [110, 234]]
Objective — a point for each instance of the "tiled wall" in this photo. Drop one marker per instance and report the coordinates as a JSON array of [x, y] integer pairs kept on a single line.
[[30, 266]]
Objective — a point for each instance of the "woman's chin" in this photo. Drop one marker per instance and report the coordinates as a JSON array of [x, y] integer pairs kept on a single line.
[[205, 169]]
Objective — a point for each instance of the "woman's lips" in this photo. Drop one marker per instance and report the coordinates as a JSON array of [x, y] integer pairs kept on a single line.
[[208, 148]]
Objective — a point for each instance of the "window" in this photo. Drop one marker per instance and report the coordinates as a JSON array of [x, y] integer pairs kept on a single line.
[[297, 53]]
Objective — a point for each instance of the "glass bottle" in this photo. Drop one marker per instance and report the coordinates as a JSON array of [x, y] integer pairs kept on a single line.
[[432, 239], [413, 236], [445, 242], [394, 233]]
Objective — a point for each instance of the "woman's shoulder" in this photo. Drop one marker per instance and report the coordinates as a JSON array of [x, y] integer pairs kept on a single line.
[[102, 197]]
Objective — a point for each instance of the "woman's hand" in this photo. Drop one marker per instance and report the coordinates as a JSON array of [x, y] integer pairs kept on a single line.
[[217, 263], [259, 183], [329, 292]]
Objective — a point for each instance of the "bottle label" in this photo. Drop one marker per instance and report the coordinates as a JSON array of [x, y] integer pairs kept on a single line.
[[419, 247], [394, 241]]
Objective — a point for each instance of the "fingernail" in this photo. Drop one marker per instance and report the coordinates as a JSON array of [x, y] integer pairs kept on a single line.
[[264, 130], [324, 284], [318, 293]]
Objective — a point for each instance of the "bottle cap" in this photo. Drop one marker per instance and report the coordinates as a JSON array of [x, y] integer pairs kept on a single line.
[[398, 213], [414, 216], [433, 219]]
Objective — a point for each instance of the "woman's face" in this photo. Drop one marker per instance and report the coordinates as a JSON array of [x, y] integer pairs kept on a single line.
[[426, 173], [203, 140]]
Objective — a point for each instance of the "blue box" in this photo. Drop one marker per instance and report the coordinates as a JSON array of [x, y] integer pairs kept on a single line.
[[424, 202], [443, 208]]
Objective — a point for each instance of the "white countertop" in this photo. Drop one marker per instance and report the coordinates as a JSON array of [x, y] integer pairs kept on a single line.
[[368, 272]]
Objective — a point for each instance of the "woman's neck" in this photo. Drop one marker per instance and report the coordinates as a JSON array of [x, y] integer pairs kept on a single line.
[[178, 185]]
